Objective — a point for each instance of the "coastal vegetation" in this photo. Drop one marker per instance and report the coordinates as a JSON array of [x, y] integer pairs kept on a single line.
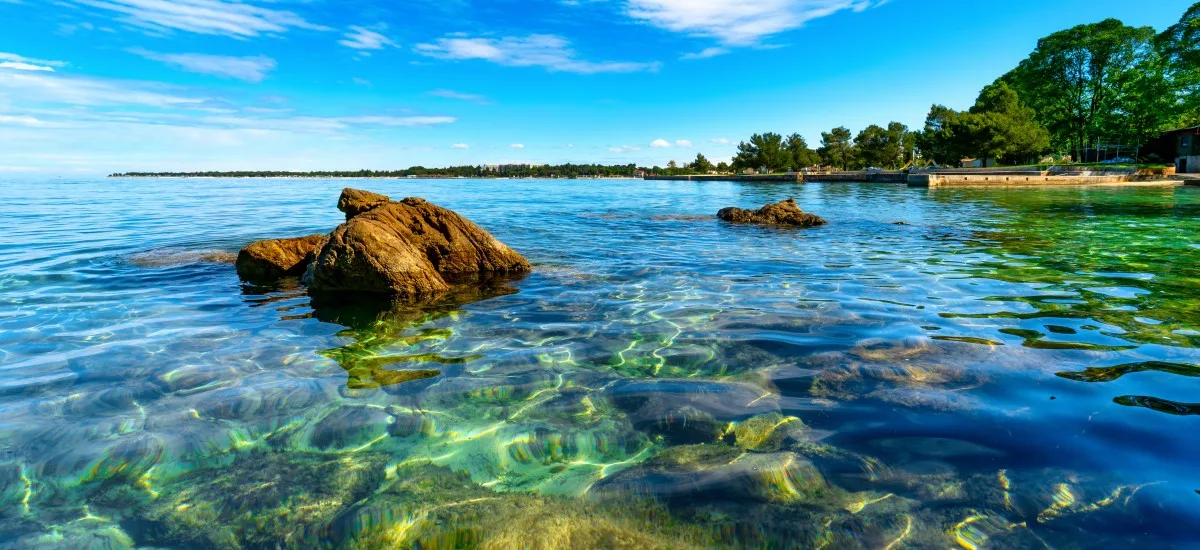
[[1105, 82]]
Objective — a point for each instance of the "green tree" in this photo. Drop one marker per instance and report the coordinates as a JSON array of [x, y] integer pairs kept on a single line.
[[837, 148], [937, 141], [763, 150], [672, 165], [1000, 127], [1076, 78], [883, 147], [1179, 47], [722, 166], [802, 155], [701, 164]]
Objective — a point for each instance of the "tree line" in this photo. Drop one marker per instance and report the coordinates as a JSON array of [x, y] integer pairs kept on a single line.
[[1103, 82], [556, 171]]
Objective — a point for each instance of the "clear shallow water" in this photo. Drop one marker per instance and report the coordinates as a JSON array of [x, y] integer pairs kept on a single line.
[[1012, 369]]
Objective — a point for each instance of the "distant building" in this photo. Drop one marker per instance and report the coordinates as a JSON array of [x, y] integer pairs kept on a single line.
[[1185, 143], [977, 163]]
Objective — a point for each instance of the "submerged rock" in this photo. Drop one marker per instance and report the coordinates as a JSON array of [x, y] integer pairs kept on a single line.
[[355, 201], [410, 249], [782, 213], [277, 258]]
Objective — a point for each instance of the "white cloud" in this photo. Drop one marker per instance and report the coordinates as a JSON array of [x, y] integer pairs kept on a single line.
[[660, 144], [249, 69], [20, 120], [683, 143], [451, 94], [21, 66], [624, 149], [362, 38], [517, 146], [221, 17], [360, 81], [706, 53], [720, 141], [737, 22], [21, 63], [460, 146], [538, 50], [37, 87]]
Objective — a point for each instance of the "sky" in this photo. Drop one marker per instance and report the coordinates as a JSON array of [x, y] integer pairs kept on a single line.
[[103, 86]]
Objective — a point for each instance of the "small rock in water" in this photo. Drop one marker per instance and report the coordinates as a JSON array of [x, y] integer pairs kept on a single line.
[[783, 213], [277, 258], [168, 258]]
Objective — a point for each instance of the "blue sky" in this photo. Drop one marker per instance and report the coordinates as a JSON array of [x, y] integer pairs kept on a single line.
[[99, 86]]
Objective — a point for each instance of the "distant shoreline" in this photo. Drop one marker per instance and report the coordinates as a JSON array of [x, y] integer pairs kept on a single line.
[[155, 176]]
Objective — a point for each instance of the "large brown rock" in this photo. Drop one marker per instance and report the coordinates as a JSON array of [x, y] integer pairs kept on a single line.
[[355, 201], [409, 249], [783, 213], [278, 258]]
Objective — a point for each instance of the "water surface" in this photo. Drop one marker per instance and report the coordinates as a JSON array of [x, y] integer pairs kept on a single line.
[[1006, 369]]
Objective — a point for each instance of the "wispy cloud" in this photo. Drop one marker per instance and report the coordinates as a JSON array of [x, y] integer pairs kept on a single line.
[[720, 141], [737, 22], [451, 94], [219, 17], [517, 146], [363, 38], [539, 50], [21, 63], [624, 149], [249, 69], [706, 53], [19, 66], [37, 87], [660, 144], [460, 146], [20, 120]]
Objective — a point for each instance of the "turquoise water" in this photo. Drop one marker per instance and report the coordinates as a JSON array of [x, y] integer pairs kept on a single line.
[[1010, 369]]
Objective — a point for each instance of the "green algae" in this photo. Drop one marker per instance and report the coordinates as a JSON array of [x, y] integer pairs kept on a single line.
[[262, 499]]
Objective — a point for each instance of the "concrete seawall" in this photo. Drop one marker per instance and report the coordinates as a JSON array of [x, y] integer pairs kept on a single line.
[[964, 180], [793, 178], [858, 177]]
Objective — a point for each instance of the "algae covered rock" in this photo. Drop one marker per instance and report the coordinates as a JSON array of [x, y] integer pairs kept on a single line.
[[261, 500], [410, 249], [698, 472], [434, 507], [277, 258], [782, 213], [355, 201]]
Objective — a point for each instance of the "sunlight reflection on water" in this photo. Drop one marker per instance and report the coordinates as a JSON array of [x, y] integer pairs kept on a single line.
[[1013, 368]]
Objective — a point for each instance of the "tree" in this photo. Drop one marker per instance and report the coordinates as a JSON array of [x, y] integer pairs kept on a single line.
[[764, 150], [837, 149], [1000, 127], [701, 165], [1179, 47], [937, 141], [672, 165], [883, 147], [722, 166], [1077, 77], [802, 155]]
